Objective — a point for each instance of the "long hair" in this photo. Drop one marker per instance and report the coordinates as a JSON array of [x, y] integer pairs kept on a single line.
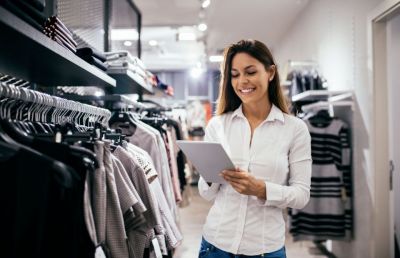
[[227, 99]]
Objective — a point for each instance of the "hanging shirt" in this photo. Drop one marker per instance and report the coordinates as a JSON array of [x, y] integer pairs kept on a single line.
[[328, 215], [280, 155]]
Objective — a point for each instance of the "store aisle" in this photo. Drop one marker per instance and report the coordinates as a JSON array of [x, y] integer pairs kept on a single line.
[[193, 217]]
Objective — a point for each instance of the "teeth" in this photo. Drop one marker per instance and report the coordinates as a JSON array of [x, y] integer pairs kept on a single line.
[[246, 90]]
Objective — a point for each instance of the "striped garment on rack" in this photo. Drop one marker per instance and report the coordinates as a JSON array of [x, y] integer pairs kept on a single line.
[[328, 215]]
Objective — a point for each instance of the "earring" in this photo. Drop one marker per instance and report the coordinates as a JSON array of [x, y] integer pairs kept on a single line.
[[270, 79]]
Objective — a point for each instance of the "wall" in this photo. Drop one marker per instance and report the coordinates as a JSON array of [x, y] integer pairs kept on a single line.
[[334, 33]]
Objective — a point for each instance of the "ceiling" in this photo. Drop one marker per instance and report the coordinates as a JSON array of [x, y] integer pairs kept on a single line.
[[228, 21]]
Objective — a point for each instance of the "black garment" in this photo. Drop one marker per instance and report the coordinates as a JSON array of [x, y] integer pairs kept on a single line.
[[87, 51], [181, 159], [94, 61], [31, 11], [12, 7], [40, 202], [37, 4]]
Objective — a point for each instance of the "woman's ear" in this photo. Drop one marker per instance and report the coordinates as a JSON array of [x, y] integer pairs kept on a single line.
[[271, 70]]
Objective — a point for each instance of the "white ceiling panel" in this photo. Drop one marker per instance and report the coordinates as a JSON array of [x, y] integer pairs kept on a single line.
[[228, 21]]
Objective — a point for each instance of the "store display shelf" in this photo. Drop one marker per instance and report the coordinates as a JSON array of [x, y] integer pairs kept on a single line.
[[28, 54], [129, 82], [108, 98], [315, 95]]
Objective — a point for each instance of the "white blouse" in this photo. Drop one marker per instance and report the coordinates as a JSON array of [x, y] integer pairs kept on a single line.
[[280, 154]]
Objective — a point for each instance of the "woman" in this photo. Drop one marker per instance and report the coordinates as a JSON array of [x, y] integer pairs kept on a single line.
[[272, 152]]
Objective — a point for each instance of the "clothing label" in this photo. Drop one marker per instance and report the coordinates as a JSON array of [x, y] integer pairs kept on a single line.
[[99, 253], [157, 249]]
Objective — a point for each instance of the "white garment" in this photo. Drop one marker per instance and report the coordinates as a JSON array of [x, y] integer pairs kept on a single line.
[[280, 154]]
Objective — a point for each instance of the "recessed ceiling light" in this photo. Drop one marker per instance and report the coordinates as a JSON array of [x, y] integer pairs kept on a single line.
[[216, 59], [153, 43], [124, 34], [205, 3], [127, 43], [202, 27]]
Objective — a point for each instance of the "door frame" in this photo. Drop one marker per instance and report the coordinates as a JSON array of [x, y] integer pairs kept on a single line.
[[383, 242]]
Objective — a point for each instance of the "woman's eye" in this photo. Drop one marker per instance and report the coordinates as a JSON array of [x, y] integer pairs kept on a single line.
[[234, 75], [251, 73]]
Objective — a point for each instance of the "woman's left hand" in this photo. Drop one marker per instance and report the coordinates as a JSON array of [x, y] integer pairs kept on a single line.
[[245, 183]]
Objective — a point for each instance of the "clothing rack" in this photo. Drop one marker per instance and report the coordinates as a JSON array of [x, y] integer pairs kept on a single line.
[[44, 106]]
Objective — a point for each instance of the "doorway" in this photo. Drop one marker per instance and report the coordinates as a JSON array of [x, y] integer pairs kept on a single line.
[[384, 29]]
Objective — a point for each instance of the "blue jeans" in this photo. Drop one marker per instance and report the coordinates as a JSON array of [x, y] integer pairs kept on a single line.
[[207, 250]]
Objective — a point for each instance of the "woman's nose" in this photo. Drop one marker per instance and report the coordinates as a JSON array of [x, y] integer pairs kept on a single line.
[[243, 79]]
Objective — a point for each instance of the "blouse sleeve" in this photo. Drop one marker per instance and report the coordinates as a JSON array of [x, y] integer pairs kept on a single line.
[[297, 193], [209, 192]]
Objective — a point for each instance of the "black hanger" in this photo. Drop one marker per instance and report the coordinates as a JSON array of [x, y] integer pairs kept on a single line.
[[321, 119]]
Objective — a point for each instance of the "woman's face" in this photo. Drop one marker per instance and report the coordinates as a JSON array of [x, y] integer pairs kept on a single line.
[[250, 79]]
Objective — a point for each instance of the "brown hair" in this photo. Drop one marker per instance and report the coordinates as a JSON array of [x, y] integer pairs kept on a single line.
[[227, 99]]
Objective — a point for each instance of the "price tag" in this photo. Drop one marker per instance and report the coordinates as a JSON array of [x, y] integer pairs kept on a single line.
[[156, 247], [99, 253]]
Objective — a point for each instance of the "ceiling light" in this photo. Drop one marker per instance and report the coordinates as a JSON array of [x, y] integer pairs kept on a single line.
[[202, 27], [216, 59], [127, 43], [205, 3], [196, 72], [153, 43], [124, 34], [186, 36]]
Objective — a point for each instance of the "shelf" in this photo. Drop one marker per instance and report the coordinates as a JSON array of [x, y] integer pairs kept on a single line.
[[129, 82], [108, 98], [328, 104], [315, 95], [28, 54]]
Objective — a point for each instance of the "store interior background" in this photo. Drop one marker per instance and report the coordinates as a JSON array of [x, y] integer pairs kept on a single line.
[[331, 33], [334, 35]]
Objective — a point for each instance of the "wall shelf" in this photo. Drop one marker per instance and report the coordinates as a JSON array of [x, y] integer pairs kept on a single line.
[[114, 98], [129, 82], [28, 54], [315, 95]]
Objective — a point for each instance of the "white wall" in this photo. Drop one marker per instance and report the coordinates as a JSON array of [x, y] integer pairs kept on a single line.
[[334, 33]]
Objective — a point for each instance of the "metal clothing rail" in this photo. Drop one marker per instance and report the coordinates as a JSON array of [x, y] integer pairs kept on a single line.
[[27, 104]]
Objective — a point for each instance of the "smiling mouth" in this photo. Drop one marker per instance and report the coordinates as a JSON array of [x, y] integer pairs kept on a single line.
[[247, 91]]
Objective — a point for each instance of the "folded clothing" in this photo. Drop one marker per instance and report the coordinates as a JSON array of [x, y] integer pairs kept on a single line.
[[87, 51], [56, 30], [55, 20], [126, 66], [124, 55], [94, 61], [61, 41]]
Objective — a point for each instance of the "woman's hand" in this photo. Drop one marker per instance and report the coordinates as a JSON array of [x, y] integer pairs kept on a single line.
[[245, 183]]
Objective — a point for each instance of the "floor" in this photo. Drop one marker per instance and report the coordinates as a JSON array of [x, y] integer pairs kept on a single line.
[[192, 218]]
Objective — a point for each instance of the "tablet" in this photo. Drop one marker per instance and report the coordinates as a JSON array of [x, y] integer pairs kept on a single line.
[[209, 159]]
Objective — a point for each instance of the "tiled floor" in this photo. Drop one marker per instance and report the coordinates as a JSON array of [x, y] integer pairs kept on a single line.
[[193, 217]]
